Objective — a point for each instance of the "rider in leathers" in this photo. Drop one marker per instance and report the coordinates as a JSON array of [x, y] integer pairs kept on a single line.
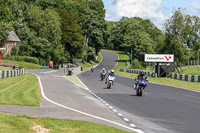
[[103, 70], [140, 76], [110, 74]]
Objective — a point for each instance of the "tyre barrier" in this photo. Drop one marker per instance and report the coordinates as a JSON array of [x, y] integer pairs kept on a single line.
[[137, 71], [183, 77], [11, 73]]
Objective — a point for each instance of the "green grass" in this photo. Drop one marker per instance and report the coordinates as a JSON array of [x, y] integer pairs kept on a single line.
[[15, 124], [5, 68], [21, 90], [75, 79], [87, 65], [71, 126], [25, 65], [23, 124], [165, 81], [192, 70], [178, 83], [123, 58]]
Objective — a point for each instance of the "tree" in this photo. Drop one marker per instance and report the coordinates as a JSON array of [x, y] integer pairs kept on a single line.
[[131, 33], [47, 25], [92, 25], [91, 15], [181, 30], [5, 28], [72, 34]]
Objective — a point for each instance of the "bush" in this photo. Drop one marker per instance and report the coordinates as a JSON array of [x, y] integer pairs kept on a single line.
[[27, 59], [21, 58], [137, 65], [31, 59]]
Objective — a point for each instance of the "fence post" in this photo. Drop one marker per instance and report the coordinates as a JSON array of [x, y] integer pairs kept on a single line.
[[3, 74], [11, 73], [189, 78], [183, 77], [7, 73], [178, 76], [196, 78]]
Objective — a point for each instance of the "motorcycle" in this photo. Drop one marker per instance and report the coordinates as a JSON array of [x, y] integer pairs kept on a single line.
[[110, 81], [142, 83], [102, 76], [92, 69]]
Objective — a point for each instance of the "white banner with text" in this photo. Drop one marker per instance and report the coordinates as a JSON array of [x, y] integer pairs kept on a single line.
[[159, 58]]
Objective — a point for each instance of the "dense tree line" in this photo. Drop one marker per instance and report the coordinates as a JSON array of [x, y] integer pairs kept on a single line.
[[140, 35], [182, 33], [61, 30], [57, 30], [181, 36]]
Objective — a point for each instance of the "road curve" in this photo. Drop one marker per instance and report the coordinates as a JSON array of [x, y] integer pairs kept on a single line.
[[65, 100], [162, 109]]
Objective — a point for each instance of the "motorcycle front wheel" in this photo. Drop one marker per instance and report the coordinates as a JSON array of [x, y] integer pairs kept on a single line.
[[139, 91], [109, 85]]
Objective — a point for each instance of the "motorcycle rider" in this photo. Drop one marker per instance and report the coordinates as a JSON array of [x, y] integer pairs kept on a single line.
[[92, 69], [103, 71], [110, 74], [140, 76]]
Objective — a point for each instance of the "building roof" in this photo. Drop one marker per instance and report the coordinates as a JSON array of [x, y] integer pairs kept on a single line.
[[13, 37]]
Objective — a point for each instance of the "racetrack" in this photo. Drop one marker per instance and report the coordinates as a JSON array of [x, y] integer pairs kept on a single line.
[[161, 109]]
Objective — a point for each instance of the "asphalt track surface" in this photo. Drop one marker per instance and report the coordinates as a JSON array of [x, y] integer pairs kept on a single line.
[[65, 100], [161, 109]]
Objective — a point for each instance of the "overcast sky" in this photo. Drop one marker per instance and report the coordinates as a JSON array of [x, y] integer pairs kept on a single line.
[[155, 10]]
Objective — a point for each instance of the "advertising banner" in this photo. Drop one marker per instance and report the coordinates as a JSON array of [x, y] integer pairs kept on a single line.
[[159, 58]]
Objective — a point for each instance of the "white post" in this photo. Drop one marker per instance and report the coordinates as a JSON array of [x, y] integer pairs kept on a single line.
[[198, 59]]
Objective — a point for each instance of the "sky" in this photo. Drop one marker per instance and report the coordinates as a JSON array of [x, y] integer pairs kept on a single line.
[[158, 11]]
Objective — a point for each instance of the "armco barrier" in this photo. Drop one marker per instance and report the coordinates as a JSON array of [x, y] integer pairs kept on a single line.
[[11, 73], [189, 78]]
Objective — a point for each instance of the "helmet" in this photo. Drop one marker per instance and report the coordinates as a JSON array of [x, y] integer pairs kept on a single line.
[[141, 73], [104, 69], [112, 71]]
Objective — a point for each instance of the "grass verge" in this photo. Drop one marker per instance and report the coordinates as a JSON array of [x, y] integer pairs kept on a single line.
[[5, 68], [192, 70], [23, 124], [87, 65], [75, 79], [22, 90], [122, 59], [25, 65], [165, 81]]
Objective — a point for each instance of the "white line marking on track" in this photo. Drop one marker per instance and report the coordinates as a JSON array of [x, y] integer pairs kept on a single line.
[[119, 114], [114, 110], [139, 131], [110, 107], [132, 125], [93, 116], [126, 119]]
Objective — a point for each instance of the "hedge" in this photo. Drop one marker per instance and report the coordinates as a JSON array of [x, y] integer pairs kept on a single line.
[[23, 59]]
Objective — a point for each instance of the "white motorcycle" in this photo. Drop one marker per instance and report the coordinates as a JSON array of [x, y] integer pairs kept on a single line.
[[110, 81]]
